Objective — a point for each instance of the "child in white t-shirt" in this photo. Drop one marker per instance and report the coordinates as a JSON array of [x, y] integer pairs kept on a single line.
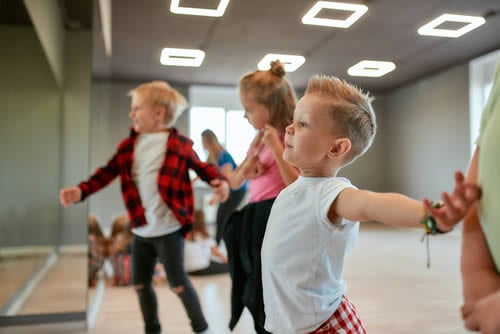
[[314, 221], [202, 256]]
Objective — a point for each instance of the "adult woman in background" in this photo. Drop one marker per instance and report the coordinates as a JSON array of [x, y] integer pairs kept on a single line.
[[220, 157]]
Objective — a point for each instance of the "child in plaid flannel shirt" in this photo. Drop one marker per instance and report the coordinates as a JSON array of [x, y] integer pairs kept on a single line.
[[314, 221], [153, 164]]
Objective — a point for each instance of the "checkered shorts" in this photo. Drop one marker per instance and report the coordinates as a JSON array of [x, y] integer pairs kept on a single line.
[[344, 320]]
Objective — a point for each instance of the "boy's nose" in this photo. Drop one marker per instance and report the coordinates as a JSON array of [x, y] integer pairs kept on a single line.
[[289, 129]]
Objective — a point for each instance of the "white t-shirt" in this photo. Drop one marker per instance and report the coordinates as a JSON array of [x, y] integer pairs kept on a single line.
[[149, 154], [303, 256], [197, 253]]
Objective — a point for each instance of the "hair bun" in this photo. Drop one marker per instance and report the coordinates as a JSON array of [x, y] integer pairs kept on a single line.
[[277, 68]]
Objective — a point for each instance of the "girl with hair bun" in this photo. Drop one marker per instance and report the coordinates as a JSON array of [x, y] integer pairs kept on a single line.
[[269, 101]]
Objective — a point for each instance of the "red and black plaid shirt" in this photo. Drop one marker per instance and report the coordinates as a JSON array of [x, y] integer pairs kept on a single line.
[[174, 184]]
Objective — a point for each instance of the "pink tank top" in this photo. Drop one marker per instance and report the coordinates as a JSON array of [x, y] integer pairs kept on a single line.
[[270, 183]]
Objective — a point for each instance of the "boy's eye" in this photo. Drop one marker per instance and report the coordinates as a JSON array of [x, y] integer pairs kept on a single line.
[[302, 124]]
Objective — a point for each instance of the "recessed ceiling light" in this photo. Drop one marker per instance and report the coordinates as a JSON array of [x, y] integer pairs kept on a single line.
[[290, 62], [219, 11], [430, 29], [371, 68], [182, 57], [357, 12]]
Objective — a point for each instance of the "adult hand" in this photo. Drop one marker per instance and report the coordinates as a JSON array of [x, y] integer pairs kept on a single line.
[[483, 315], [68, 196], [456, 204]]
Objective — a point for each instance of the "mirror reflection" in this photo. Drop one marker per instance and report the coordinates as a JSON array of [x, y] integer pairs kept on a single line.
[[44, 108]]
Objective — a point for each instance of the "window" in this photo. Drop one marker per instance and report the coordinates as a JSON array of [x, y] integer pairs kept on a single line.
[[231, 128], [201, 118], [239, 133]]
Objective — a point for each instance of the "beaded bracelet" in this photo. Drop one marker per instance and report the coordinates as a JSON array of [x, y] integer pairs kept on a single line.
[[430, 228]]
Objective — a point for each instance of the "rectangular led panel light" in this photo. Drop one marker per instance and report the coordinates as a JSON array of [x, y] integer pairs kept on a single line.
[[290, 62], [219, 11], [357, 12], [470, 23], [371, 68], [182, 57]]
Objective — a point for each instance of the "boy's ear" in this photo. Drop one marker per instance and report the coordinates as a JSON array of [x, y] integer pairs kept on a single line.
[[341, 147], [161, 113]]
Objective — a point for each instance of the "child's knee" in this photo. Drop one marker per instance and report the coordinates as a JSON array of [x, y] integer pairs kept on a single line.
[[178, 289]]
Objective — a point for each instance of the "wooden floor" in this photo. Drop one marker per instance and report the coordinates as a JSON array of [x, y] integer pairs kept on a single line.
[[14, 272], [387, 280], [61, 289]]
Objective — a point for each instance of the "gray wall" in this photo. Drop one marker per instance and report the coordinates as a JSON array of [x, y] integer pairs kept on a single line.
[[44, 139], [427, 133], [76, 128], [368, 171], [30, 110]]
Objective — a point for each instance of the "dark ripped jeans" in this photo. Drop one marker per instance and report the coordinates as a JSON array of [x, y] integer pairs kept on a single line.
[[170, 250]]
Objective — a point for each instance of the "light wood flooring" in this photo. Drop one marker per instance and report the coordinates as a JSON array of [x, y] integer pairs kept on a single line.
[[387, 280], [14, 272]]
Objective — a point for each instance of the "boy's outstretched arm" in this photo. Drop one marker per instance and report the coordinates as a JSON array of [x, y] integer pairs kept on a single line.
[[101, 178], [400, 210]]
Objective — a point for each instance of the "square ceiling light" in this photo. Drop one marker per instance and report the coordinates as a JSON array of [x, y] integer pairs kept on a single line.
[[471, 23], [371, 68], [182, 57], [219, 11], [356, 9], [290, 62]]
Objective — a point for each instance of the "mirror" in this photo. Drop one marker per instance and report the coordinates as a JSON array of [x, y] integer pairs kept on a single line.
[[44, 108]]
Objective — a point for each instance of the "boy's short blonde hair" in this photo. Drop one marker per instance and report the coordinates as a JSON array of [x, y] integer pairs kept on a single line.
[[161, 93], [350, 110]]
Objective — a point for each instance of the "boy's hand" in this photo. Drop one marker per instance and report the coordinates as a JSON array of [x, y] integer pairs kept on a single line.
[[483, 315], [456, 204], [68, 196], [221, 191]]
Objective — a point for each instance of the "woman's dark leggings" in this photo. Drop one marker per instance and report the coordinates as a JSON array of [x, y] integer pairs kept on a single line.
[[170, 250], [225, 209]]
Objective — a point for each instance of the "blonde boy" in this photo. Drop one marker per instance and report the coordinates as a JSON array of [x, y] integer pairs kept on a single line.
[[153, 164], [314, 221]]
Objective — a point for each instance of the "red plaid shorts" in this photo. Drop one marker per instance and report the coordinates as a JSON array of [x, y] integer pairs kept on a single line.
[[344, 320]]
